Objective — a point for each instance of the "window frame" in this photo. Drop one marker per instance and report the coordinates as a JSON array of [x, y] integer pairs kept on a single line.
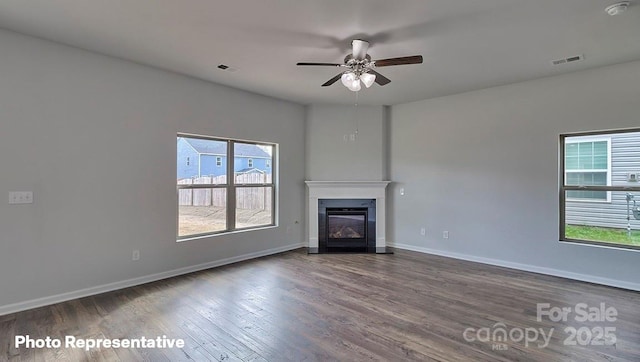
[[231, 187], [595, 135]]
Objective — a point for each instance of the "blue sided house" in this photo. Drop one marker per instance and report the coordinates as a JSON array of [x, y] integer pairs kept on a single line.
[[201, 157]]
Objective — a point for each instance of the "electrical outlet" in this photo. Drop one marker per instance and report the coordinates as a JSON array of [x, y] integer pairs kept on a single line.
[[423, 231], [135, 255], [445, 234]]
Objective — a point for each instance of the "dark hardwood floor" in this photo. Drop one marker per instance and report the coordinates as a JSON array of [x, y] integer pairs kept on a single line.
[[343, 307]]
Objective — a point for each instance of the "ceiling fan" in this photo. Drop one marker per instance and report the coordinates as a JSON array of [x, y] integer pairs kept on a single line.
[[360, 67]]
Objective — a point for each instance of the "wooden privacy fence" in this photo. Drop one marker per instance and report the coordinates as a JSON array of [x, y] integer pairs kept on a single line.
[[251, 198]]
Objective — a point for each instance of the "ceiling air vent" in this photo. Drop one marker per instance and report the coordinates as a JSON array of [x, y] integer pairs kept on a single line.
[[226, 68], [575, 58]]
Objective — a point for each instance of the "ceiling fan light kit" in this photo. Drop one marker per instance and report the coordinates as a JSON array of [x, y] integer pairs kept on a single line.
[[617, 8], [360, 69], [351, 81], [367, 79]]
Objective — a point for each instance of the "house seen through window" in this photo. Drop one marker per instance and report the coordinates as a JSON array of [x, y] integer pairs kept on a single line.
[[600, 194], [220, 190], [587, 163]]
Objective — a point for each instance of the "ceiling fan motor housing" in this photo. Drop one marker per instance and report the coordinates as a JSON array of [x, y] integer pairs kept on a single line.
[[360, 48]]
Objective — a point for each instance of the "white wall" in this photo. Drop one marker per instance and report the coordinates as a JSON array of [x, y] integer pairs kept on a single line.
[[331, 158], [484, 166], [94, 138]]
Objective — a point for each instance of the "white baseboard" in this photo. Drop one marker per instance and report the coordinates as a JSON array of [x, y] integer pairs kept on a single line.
[[40, 302], [524, 267]]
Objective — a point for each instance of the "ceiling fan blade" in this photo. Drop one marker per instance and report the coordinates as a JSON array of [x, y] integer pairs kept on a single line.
[[322, 64], [332, 80], [380, 79], [415, 59]]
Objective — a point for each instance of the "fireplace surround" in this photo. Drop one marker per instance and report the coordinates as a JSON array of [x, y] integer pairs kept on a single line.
[[349, 202]]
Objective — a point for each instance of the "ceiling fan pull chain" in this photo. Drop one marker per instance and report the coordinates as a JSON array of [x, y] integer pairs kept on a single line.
[[356, 113]]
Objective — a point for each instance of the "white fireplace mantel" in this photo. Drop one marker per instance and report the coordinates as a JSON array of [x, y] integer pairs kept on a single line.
[[347, 190]]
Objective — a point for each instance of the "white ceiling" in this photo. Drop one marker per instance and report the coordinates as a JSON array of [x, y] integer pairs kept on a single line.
[[466, 44]]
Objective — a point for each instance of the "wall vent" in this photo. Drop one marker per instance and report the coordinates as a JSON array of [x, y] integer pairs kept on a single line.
[[575, 58]]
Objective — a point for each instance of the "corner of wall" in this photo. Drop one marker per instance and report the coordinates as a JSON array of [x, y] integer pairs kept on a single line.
[[386, 139]]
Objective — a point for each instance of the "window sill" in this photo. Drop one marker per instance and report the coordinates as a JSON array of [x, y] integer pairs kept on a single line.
[[225, 233]]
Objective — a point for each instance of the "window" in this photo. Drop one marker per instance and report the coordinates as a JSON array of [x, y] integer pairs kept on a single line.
[[599, 199], [267, 163], [236, 199], [249, 163], [188, 161]]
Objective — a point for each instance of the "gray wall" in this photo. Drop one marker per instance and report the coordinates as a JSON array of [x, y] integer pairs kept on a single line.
[[94, 138], [484, 166], [332, 158]]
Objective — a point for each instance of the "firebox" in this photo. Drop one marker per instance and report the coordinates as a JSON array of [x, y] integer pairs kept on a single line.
[[346, 225]]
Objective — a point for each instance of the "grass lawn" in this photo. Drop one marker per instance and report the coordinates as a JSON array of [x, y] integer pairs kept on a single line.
[[607, 235]]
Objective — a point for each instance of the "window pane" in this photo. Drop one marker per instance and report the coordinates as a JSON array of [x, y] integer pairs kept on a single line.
[[201, 211], [253, 206], [207, 161], [586, 179], [600, 148], [571, 150], [587, 195], [252, 163], [597, 178], [572, 163], [573, 178], [585, 162], [600, 162], [586, 148], [604, 222]]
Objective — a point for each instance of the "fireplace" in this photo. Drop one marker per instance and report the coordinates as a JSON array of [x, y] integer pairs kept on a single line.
[[346, 203], [347, 225]]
